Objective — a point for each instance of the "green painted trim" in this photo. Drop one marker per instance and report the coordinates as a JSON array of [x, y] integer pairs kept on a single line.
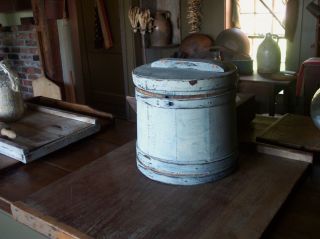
[[10, 229]]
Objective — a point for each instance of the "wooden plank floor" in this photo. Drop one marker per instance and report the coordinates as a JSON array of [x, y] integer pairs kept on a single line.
[[110, 198]]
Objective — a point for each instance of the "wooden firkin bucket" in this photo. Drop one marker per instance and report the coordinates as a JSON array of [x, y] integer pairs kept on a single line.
[[186, 120]]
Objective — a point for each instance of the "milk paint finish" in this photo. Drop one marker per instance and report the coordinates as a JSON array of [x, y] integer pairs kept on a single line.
[[186, 120]]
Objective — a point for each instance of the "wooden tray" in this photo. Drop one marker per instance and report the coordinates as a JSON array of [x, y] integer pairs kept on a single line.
[[110, 198], [43, 130], [293, 131]]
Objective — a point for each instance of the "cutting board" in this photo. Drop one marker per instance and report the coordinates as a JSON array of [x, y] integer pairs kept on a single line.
[[44, 87]]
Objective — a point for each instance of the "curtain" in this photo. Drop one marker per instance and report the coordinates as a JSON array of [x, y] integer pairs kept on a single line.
[[235, 17], [292, 14]]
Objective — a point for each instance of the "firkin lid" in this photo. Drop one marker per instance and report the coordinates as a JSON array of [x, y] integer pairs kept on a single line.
[[184, 76]]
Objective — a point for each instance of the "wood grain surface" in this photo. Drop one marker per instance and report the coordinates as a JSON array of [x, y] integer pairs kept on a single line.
[[105, 118], [43, 130], [300, 216], [7, 162], [17, 181], [109, 198], [249, 133], [293, 131]]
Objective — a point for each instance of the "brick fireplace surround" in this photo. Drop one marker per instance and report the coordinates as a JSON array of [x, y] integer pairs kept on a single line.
[[19, 45]]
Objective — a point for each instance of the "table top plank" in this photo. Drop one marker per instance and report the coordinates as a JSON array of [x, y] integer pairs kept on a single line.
[[120, 133], [279, 79], [300, 216], [110, 198], [79, 154], [19, 182], [7, 162]]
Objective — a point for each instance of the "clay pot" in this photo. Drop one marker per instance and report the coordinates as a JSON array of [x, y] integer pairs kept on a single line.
[[268, 56], [162, 29], [196, 45], [234, 40]]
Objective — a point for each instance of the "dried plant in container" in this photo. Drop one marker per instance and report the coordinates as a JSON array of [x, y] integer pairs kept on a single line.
[[140, 19], [194, 15], [144, 18], [133, 15]]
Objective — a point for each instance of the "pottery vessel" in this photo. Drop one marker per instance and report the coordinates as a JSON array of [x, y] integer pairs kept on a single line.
[[269, 55], [11, 102], [162, 29], [235, 41]]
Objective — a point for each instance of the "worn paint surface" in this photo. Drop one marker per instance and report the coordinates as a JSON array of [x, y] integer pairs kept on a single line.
[[187, 64], [186, 133]]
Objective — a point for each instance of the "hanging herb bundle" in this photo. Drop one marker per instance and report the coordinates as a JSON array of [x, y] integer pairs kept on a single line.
[[140, 19], [133, 18], [194, 15]]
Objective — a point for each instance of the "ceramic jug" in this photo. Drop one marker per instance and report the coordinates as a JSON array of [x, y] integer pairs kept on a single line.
[[11, 102], [162, 29], [269, 55]]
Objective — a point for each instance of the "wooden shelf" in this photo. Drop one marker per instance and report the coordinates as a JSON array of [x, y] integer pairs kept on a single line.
[[164, 47], [173, 6]]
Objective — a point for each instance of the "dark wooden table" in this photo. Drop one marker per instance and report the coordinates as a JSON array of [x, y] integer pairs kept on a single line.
[[110, 198], [299, 218], [266, 88]]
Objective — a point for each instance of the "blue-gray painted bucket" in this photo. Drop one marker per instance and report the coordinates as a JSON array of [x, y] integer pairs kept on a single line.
[[186, 120]]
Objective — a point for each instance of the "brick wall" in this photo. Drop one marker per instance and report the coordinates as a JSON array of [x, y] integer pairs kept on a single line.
[[18, 44]]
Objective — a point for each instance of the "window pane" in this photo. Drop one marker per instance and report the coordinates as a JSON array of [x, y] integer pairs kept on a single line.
[[260, 8], [247, 6], [283, 46], [260, 21], [247, 23], [277, 29], [279, 6], [263, 23]]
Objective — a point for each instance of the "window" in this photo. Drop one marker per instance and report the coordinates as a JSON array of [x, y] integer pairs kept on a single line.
[[256, 20]]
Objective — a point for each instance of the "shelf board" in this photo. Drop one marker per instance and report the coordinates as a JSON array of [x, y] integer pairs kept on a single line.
[[164, 47]]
